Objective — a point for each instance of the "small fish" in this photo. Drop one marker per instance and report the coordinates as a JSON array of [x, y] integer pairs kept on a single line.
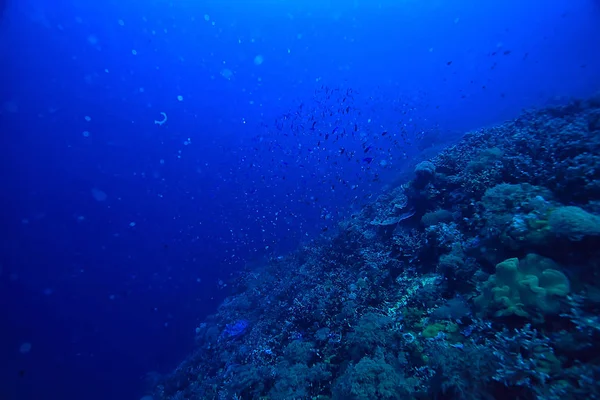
[[367, 149], [507, 52], [368, 160], [449, 63], [384, 133]]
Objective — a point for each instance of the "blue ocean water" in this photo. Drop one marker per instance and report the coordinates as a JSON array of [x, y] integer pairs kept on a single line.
[[152, 150]]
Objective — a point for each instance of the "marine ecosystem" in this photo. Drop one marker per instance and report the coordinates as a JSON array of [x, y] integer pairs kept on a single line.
[[300, 200]]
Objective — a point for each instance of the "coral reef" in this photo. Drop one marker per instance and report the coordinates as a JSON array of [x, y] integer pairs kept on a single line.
[[478, 279]]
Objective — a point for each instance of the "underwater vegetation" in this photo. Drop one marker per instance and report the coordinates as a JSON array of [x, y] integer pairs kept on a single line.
[[477, 279]]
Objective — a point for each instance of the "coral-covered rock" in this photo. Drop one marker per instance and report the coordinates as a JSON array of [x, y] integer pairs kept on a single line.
[[424, 173], [574, 223]]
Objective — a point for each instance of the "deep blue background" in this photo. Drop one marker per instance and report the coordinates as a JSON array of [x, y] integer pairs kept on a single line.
[[102, 302]]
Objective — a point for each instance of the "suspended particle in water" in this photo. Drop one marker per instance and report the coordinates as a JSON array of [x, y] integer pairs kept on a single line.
[[25, 348], [99, 195], [227, 73]]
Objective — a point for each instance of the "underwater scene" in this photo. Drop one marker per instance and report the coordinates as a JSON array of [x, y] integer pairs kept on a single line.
[[300, 200]]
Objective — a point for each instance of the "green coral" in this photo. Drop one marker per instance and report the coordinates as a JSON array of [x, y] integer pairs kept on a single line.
[[528, 288], [433, 330], [449, 328]]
